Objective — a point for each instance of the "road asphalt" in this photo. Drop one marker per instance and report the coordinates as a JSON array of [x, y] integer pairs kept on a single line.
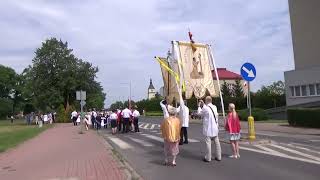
[[271, 157]]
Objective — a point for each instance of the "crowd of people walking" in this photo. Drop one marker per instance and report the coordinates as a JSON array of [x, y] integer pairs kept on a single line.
[[124, 121]]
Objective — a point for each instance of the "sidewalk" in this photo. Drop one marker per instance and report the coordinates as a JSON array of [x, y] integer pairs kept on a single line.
[[61, 153], [282, 128]]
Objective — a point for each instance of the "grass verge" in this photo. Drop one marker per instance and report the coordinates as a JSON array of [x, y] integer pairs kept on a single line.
[[13, 134]]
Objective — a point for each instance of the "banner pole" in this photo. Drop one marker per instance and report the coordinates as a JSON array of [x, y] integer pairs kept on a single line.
[[216, 73]]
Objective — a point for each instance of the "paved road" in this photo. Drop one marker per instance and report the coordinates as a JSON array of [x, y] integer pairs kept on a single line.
[[283, 159]]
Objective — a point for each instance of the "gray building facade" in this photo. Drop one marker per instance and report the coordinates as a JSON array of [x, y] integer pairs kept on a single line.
[[303, 83]]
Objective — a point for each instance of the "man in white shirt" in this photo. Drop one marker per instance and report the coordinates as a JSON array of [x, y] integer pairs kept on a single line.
[[183, 111], [136, 115], [126, 114], [210, 115], [74, 116]]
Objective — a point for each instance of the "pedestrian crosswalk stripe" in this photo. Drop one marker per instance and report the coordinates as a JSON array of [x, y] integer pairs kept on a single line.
[[304, 148], [146, 126], [271, 151], [140, 126], [285, 156], [152, 126], [153, 137], [122, 144], [193, 140], [296, 152], [141, 142]]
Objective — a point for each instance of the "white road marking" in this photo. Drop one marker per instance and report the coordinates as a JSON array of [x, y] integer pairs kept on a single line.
[[158, 125], [140, 126], [193, 140], [296, 152], [286, 156], [153, 137], [271, 151], [146, 126], [141, 142], [152, 126], [122, 144], [315, 140], [304, 148]]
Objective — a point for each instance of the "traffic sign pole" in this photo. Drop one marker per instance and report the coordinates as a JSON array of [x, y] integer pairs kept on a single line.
[[248, 73]]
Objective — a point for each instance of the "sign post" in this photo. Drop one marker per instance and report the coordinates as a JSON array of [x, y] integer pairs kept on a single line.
[[81, 96], [248, 73]]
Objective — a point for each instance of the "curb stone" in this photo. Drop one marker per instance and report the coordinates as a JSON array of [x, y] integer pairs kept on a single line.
[[129, 171]]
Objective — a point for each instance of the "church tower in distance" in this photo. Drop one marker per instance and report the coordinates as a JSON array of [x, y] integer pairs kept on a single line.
[[151, 91]]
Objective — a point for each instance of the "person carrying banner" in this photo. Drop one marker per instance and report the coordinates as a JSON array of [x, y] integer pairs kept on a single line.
[[183, 112], [210, 115]]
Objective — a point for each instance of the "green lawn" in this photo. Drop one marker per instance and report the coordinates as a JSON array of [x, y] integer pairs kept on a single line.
[[13, 134]]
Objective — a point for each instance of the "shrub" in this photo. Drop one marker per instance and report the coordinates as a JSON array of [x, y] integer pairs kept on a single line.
[[257, 113], [63, 116], [305, 117]]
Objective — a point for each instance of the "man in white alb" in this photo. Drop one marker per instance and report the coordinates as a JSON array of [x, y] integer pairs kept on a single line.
[[210, 115]]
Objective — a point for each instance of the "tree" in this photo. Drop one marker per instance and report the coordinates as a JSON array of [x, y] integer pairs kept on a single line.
[[270, 96], [117, 105], [237, 89], [10, 89], [225, 90], [56, 74]]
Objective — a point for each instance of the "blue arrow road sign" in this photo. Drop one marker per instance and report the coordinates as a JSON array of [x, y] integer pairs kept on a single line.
[[248, 72]]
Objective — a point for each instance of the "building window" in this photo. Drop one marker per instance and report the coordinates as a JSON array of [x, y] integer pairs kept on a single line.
[[297, 90], [312, 90], [292, 91], [303, 90], [318, 89]]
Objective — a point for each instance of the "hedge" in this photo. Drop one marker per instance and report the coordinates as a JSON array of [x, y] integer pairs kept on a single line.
[[257, 113], [305, 117]]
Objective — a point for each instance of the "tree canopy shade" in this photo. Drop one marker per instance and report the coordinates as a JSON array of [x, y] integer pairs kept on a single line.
[[56, 74]]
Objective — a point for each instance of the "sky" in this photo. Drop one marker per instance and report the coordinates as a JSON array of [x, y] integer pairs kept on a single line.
[[122, 37]]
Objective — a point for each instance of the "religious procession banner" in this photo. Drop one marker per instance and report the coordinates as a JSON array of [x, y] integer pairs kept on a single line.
[[170, 79], [196, 66]]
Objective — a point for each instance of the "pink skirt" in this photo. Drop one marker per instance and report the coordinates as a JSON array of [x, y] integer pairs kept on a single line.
[[171, 148]]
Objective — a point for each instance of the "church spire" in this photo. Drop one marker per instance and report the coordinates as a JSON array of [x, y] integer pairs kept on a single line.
[[151, 85]]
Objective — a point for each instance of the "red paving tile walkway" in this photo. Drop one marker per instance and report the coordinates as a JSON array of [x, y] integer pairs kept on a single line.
[[61, 153]]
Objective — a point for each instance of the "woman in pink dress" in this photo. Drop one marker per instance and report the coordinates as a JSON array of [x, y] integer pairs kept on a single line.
[[233, 127]]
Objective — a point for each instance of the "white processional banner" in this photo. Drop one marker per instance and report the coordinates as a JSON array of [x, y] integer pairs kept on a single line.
[[196, 69]]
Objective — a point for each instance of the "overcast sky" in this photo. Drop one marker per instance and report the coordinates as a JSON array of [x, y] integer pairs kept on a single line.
[[121, 37]]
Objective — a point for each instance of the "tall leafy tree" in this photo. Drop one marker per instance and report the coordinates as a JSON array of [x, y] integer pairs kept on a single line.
[[56, 74]]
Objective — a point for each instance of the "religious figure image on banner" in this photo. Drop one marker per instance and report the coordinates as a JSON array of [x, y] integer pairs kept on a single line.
[[196, 72], [196, 69]]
